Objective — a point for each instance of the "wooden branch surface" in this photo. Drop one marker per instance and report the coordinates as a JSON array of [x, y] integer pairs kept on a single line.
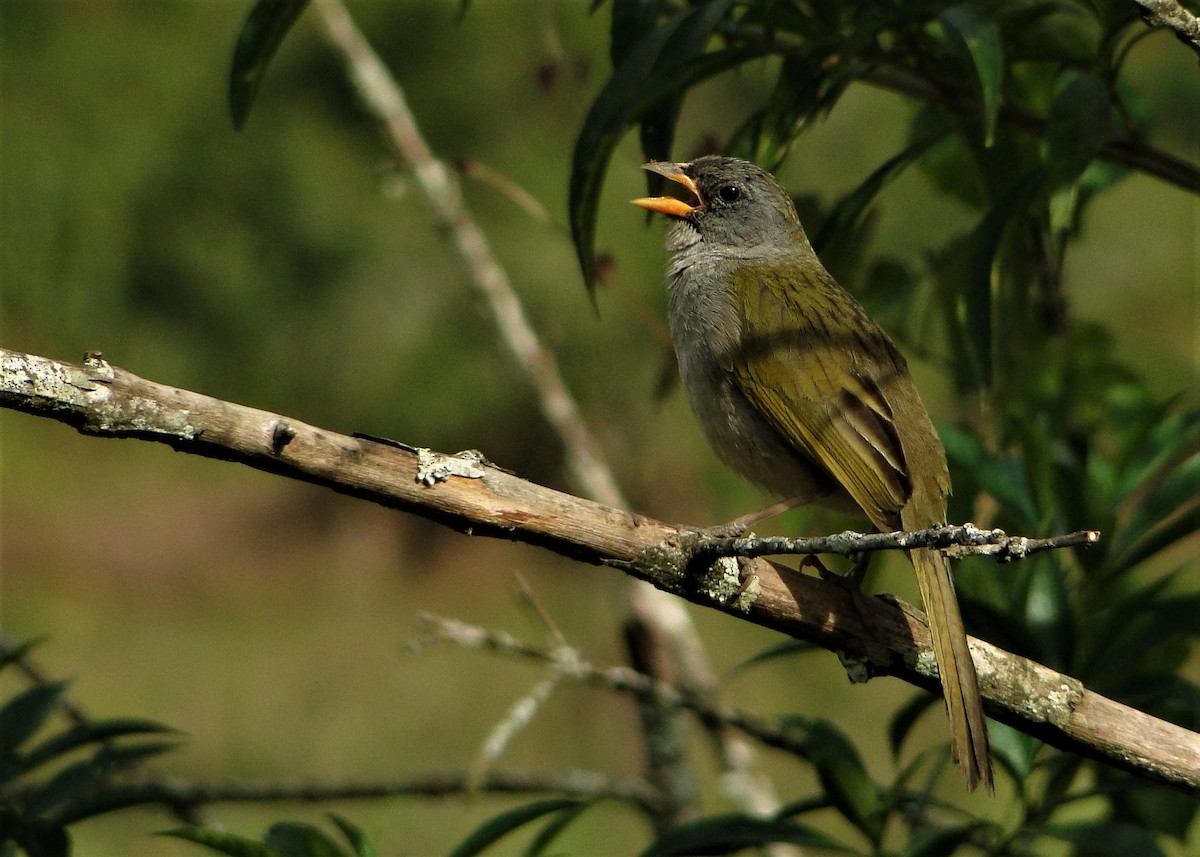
[[472, 496]]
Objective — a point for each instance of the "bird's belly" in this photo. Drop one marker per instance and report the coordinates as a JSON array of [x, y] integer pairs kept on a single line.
[[742, 437]]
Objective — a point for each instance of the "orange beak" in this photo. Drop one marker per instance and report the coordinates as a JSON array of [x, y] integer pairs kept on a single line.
[[669, 205]]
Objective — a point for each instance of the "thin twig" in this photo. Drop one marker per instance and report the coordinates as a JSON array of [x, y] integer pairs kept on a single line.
[[580, 784], [571, 664], [957, 540]]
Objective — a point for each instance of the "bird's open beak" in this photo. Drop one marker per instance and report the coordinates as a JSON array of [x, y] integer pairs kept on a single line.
[[669, 205]]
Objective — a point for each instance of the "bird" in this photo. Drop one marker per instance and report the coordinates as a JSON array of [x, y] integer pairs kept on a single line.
[[798, 390]]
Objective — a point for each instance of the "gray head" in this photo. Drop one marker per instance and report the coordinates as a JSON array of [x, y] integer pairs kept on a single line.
[[740, 209]]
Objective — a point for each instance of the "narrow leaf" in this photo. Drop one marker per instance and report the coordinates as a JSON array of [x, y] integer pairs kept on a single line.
[[1000, 478], [261, 35], [724, 834], [785, 649], [658, 67], [25, 713], [70, 794], [850, 209], [554, 827], [1104, 839], [223, 843], [976, 39], [354, 835], [906, 718], [1076, 129], [16, 652], [87, 733], [975, 307], [1168, 514], [296, 839], [844, 776], [497, 828]]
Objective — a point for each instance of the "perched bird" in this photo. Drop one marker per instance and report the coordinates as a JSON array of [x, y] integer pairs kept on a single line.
[[798, 390]]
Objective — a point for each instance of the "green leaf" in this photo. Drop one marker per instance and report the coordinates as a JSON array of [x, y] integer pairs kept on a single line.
[[354, 835], [975, 37], [25, 713], [1104, 839], [842, 773], [1170, 438], [87, 733], [939, 841], [975, 313], [785, 649], [722, 834], [1076, 129], [630, 21], [661, 65], [1155, 807], [1000, 478], [554, 827], [261, 35], [1048, 613], [19, 651], [850, 209], [296, 839], [902, 722], [67, 796], [110, 798], [888, 290], [224, 843], [494, 829], [1014, 751], [1164, 517]]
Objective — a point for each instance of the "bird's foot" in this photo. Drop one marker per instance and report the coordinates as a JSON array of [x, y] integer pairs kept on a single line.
[[851, 580], [741, 525]]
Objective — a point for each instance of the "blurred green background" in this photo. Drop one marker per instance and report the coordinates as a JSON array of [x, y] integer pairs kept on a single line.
[[293, 268]]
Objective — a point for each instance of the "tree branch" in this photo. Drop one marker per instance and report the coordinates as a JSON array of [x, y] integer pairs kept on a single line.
[[472, 496], [1168, 13]]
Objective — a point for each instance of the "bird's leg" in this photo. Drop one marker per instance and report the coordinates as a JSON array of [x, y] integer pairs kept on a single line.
[[738, 526], [851, 580]]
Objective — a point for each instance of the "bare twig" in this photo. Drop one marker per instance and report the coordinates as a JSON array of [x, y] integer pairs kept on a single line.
[[961, 540], [892, 638], [570, 664], [519, 715], [579, 784]]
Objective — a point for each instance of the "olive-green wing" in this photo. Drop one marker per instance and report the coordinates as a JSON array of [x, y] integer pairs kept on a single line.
[[817, 367]]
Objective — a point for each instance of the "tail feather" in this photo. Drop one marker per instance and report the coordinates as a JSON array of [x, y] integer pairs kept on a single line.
[[960, 685]]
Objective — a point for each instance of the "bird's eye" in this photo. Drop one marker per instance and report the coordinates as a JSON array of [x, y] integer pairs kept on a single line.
[[730, 193]]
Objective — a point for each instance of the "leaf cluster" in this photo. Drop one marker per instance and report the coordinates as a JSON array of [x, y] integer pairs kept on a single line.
[[49, 782]]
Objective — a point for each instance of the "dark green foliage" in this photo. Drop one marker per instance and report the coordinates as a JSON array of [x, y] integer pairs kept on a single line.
[[286, 839], [51, 781], [261, 35]]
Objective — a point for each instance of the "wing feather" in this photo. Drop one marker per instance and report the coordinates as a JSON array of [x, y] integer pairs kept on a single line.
[[824, 392]]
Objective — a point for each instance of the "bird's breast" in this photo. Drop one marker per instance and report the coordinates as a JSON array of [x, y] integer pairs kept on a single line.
[[706, 328]]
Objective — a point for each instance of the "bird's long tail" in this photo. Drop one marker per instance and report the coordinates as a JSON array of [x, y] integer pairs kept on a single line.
[[968, 729]]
